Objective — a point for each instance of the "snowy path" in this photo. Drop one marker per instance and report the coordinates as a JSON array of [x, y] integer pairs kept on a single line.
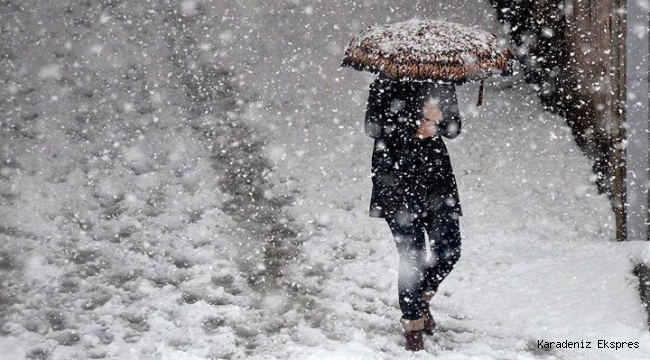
[[537, 259]]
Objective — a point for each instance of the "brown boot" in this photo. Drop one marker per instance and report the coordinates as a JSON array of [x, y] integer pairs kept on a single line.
[[413, 334], [429, 323]]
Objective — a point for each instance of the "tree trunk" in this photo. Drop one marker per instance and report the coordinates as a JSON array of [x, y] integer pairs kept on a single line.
[[573, 50]]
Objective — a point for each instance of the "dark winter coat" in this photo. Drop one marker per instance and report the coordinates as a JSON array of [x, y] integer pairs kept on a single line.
[[411, 176]]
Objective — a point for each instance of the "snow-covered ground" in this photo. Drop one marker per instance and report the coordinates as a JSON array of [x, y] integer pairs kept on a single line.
[[158, 158]]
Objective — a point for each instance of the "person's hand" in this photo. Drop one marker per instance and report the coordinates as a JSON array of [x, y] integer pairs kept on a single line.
[[427, 129], [432, 115], [431, 111]]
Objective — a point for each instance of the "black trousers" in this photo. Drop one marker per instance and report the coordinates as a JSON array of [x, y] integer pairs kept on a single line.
[[417, 273]]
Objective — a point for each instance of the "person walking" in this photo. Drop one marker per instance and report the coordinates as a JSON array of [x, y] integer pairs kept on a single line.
[[414, 188]]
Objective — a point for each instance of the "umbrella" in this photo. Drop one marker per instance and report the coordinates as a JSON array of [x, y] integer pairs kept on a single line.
[[429, 50]]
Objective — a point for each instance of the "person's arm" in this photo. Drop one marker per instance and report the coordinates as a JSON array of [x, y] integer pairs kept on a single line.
[[451, 124], [440, 112], [383, 120], [375, 113]]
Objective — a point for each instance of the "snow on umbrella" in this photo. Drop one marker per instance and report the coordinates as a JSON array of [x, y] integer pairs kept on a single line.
[[428, 50]]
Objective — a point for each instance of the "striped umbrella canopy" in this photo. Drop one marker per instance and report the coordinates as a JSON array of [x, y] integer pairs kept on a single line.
[[428, 50]]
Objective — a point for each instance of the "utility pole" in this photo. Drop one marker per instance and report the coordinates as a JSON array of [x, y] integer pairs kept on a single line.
[[618, 160]]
